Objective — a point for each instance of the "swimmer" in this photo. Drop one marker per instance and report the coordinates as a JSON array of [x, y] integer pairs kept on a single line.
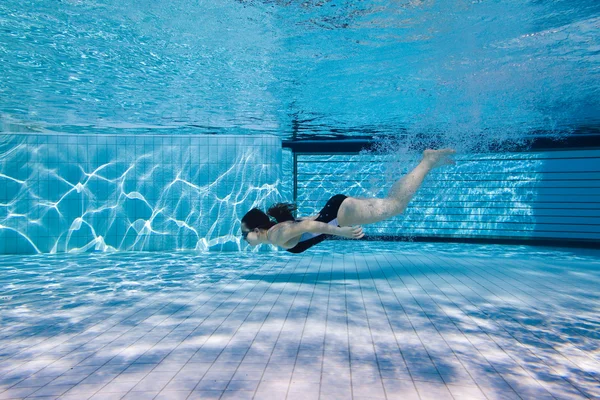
[[341, 216]]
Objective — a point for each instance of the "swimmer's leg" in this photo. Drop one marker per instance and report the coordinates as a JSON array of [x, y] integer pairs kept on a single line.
[[355, 211]]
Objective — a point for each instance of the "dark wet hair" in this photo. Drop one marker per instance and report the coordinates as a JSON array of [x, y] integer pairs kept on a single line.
[[282, 211], [255, 218]]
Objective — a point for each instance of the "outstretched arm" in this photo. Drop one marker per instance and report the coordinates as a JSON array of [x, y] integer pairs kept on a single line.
[[311, 218], [353, 232]]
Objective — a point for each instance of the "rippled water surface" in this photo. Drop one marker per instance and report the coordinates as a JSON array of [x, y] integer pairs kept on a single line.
[[324, 67]]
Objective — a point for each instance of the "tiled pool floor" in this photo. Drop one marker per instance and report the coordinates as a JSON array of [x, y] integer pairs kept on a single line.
[[347, 321]]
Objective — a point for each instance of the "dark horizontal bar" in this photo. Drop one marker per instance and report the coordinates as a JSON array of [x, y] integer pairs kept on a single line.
[[310, 158], [558, 242], [340, 146], [465, 202], [539, 226], [434, 174], [407, 217], [511, 229], [318, 185], [566, 178], [353, 146]]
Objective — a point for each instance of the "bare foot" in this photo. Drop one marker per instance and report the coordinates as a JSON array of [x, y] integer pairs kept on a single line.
[[437, 158]]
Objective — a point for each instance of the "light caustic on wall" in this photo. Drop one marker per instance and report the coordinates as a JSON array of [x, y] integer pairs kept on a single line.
[[88, 192]]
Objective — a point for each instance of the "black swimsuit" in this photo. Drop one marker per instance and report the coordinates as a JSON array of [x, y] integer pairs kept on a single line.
[[327, 215]]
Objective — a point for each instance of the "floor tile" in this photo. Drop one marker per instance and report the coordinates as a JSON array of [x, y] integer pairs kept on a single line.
[[402, 320]]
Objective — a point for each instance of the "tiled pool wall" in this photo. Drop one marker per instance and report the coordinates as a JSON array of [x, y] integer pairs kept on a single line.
[[542, 195], [132, 192], [67, 192]]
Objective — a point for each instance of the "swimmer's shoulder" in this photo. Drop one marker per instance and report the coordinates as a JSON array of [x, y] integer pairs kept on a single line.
[[277, 231], [281, 225], [283, 235]]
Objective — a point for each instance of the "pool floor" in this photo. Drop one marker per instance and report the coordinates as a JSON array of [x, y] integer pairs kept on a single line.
[[346, 321]]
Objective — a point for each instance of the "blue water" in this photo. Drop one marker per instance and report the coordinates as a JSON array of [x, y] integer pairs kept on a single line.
[[501, 69], [472, 74], [112, 123], [347, 320], [66, 281]]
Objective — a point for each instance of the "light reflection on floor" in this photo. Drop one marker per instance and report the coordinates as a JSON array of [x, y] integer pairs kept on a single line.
[[347, 320]]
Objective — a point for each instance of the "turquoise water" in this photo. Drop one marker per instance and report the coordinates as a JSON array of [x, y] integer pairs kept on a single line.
[[128, 127], [61, 193], [476, 68], [113, 113], [72, 281], [345, 320]]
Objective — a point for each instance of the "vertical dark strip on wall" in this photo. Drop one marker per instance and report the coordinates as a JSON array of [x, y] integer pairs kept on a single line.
[[295, 174]]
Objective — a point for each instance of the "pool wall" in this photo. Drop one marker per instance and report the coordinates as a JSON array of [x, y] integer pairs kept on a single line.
[[71, 192], [542, 196]]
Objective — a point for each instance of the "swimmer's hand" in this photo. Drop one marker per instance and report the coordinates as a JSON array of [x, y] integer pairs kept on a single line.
[[351, 232]]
